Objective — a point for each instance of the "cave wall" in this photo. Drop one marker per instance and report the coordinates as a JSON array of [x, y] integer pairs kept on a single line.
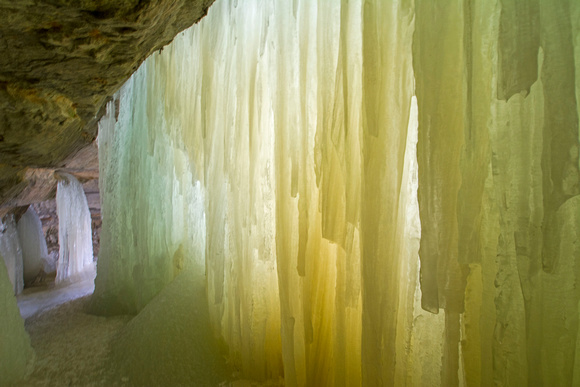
[[62, 61]]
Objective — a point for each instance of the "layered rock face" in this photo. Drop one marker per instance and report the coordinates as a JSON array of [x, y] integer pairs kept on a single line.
[[60, 62]]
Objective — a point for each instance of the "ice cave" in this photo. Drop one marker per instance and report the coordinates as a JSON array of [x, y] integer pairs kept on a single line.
[[297, 193]]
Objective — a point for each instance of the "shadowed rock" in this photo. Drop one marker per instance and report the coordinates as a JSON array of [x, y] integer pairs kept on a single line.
[[60, 62]]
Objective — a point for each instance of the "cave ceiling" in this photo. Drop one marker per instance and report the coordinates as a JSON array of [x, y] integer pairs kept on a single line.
[[61, 62]]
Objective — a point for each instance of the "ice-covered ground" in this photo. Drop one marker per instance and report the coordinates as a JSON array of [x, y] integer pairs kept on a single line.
[[169, 343], [35, 300], [71, 346]]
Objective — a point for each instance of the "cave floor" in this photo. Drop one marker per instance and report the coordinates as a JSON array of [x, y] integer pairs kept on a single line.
[[73, 348], [47, 296]]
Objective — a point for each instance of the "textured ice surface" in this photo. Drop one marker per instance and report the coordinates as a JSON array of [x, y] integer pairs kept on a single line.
[[11, 252], [498, 187], [16, 354], [75, 256], [274, 141], [33, 244], [152, 207], [170, 342]]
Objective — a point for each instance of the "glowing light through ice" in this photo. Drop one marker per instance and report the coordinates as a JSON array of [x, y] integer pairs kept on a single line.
[[274, 142]]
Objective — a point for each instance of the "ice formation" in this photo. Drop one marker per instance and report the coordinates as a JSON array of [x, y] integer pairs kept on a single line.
[[141, 196], [33, 244], [16, 355], [75, 240], [11, 252], [274, 141], [169, 343]]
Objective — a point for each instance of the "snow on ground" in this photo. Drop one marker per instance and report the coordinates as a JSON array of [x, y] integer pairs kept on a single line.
[[169, 343], [71, 346], [40, 299]]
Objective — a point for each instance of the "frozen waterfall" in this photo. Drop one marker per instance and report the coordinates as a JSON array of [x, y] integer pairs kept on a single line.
[[11, 252], [33, 244], [74, 231], [274, 141]]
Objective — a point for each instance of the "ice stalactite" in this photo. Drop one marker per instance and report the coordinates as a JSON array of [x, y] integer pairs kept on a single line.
[[498, 187], [11, 252], [275, 137], [275, 141], [33, 244], [152, 206], [75, 240]]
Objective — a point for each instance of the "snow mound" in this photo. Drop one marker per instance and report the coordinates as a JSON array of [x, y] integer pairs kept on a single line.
[[170, 341]]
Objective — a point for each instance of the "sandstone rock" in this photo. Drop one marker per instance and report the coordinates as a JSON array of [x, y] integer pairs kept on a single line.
[[60, 62]]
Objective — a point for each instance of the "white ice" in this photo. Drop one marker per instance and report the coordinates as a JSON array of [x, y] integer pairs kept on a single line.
[[74, 232]]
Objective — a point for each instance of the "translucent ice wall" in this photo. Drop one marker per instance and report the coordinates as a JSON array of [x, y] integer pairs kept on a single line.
[[152, 206], [75, 256], [11, 252], [499, 189], [33, 244], [275, 141]]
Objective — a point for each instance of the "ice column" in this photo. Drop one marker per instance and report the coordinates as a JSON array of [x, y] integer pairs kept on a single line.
[[11, 252], [16, 355], [33, 243], [74, 231]]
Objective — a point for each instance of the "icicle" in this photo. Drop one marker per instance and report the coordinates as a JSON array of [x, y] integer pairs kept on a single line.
[[75, 241]]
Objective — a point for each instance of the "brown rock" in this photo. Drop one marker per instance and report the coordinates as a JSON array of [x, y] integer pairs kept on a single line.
[[61, 61]]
